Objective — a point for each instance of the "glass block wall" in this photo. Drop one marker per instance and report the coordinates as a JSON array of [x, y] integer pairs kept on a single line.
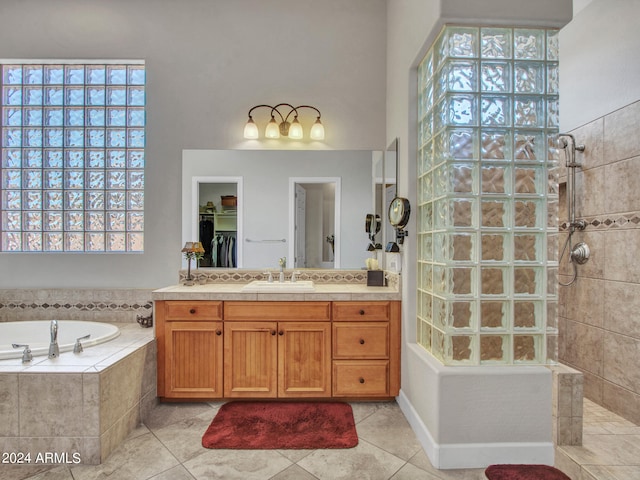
[[488, 196], [72, 140]]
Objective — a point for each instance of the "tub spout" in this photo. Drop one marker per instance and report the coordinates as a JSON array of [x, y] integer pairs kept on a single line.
[[54, 351]]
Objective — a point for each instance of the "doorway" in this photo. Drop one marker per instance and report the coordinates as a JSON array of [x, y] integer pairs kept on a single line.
[[314, 222]]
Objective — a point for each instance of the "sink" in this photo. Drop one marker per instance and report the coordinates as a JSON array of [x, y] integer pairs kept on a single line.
[[263, 286]]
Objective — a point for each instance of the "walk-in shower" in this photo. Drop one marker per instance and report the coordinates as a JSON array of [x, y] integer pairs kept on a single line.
[[579, 252]]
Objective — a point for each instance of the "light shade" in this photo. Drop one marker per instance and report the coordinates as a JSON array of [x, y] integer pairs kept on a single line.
[[281, 124], [317, 130], [295, 130], [273, 129], [251, 130]]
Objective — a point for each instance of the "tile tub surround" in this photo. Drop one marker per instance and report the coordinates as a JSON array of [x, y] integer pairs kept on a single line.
[[101, 305], [599, 332], [79, 403]]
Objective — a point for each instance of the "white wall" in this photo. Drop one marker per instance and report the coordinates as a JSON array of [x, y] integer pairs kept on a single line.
[[599, 67], [208, 62], [265, 198], [411, 27]]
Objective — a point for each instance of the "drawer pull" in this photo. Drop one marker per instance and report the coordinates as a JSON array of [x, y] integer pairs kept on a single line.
[[361, 380], [362, 341], [273, 332], [218, 332], [361, 312], [281, 332], [192, 311]]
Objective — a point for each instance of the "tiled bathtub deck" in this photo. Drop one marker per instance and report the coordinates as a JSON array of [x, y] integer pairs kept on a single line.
[[84, 404]]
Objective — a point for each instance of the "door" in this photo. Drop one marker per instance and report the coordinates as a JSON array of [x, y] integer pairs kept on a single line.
[[300, 227], [250, 359], [304, 359], [194, 359]]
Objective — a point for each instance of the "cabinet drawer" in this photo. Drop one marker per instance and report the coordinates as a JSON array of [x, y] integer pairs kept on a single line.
[[365, 311], [277, 311], [360, 378], [190, 310], [361, 340]]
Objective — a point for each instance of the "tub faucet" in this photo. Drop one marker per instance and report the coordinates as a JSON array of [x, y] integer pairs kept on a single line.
[[54, 352]]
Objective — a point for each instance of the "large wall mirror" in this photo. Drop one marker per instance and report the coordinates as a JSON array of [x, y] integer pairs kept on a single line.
[[339, 194]]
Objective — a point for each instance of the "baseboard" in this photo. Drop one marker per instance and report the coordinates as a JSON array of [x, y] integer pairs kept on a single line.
[[473, 455]]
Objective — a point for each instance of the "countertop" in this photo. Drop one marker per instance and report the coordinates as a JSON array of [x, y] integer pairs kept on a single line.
[[233, 291]]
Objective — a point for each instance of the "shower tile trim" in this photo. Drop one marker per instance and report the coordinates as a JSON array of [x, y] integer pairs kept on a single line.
[[625, 221]]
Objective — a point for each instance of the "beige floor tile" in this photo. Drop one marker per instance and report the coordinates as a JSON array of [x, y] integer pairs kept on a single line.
[[184, 438], [237, 465], [363, 461], [176, 473], [388, 429], [294, 472], [140, 457]]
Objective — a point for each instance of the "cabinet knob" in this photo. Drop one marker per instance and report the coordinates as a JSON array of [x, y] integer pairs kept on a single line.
[[361, 312], [361, 380], [273, 332], [362, 341], [192, 311], [281, 332], [218, 332]]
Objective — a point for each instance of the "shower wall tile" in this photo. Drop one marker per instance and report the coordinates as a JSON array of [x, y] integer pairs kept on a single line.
[[584, 347], [620, 352], [591, 136], [622, 195], [621, 307], [621, 133], [608, 201], [622, 256], [593, 386], [590, 194], [622, 401], [597, 241], [586, 304], [9, 426]]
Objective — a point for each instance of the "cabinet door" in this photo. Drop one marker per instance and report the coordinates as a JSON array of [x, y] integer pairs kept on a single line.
[[193, 359], [304, 359], [250, 359]]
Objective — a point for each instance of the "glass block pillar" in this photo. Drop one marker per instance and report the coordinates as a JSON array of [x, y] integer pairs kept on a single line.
[[488, 196]]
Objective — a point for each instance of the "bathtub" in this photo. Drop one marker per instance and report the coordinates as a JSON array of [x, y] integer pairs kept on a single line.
[[37, 334]]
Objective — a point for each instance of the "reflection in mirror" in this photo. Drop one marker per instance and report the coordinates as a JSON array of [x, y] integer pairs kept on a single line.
[[264, 233], [218, 224], [387, 191], [314, 204], [217, 220]]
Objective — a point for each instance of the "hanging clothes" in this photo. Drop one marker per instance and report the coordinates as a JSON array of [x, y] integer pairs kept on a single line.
[[223, 248], [206, 236]]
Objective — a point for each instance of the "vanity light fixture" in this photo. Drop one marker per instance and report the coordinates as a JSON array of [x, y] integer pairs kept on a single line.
[[283, 127], [191, 250]]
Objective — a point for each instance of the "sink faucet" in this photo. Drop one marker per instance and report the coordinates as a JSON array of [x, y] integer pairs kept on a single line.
[[54, 352], [283, 263]]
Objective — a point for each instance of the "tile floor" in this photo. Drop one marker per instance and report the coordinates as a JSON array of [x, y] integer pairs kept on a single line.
[[168, 448]]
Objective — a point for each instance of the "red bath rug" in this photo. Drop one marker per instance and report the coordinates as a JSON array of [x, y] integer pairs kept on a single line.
[[524, 472], [282, 425]]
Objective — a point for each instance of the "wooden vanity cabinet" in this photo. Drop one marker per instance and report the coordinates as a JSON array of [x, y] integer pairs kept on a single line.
[[189, 336], [263, 349], [277, 349], [366, 349]]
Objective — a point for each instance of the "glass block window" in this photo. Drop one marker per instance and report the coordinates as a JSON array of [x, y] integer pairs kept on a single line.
[[72, 172], [488, 196]]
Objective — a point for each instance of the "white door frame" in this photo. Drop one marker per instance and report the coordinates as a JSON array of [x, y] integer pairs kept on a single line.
[[292, 215]]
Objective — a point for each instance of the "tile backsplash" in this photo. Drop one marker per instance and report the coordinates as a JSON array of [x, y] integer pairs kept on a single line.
[[107, 305]]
